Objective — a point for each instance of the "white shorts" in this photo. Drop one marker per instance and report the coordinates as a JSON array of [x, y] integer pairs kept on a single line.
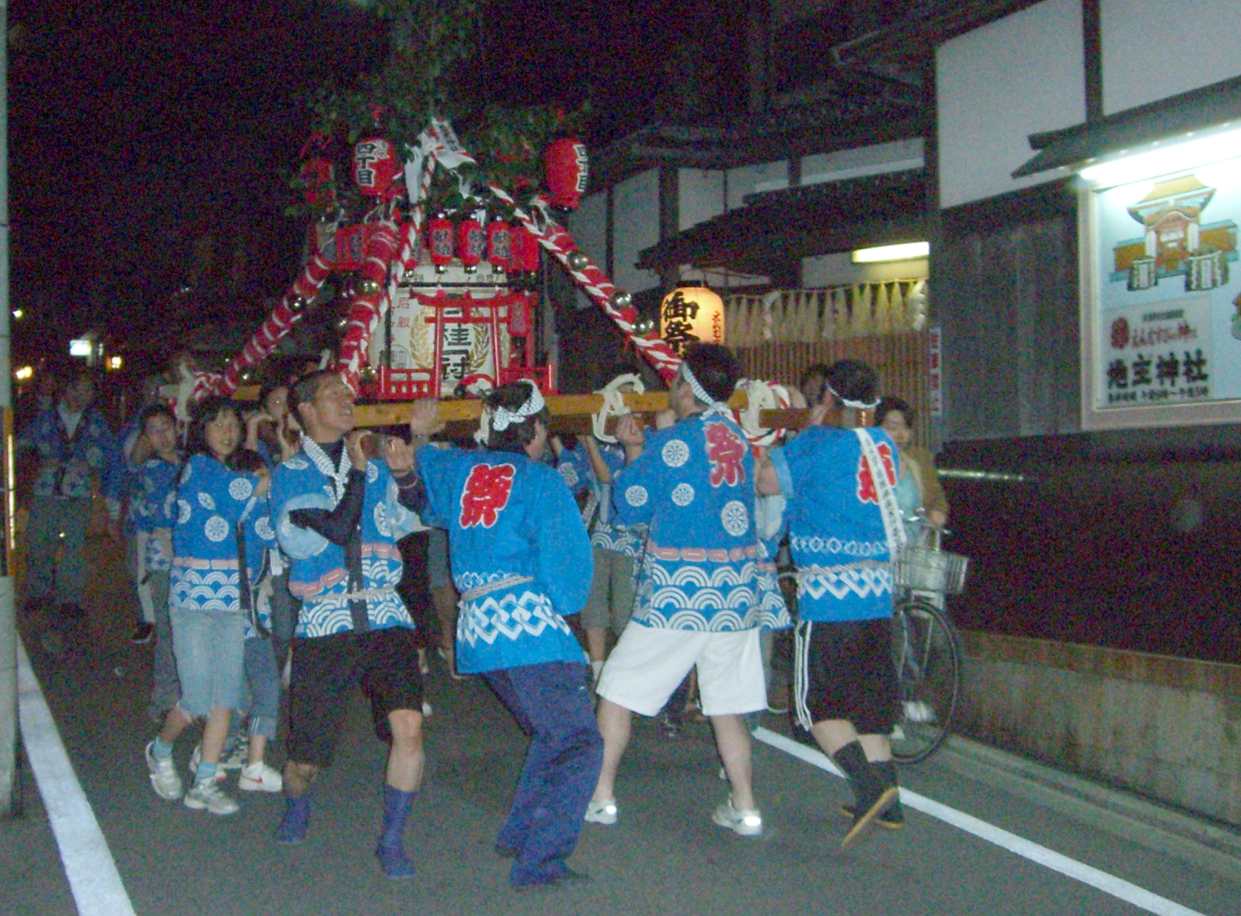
[[648, 663]]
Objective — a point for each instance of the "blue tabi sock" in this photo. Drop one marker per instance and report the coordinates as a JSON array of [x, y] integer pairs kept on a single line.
[[391, 848]]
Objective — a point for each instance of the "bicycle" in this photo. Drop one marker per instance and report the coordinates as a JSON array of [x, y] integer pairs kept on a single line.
[[926, 649]]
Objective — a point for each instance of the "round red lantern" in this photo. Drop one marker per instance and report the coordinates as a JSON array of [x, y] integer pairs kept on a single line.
[[318, 181], [471, 243], [566, 169], [500, 245], [440, 240], [375, 163]]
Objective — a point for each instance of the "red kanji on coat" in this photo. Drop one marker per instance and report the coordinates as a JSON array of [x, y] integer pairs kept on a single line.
[[865, 483], [726, 452], [486, 494]]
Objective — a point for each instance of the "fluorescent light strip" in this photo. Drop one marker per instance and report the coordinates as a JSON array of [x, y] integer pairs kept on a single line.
[[1167, 156], [905, 252]]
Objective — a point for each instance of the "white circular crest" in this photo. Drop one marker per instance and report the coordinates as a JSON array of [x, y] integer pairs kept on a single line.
[[569, 473], [186, 470], [381, 520], [205, 500], [216, 529], [372, 472], [636, 496], [263, 526], [735, 518], [296, 464], [240, 489], [682, 494], [183, 511], [675, 453]]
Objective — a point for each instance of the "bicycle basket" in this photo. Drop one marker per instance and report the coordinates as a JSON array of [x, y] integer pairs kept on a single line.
[[928, 570]]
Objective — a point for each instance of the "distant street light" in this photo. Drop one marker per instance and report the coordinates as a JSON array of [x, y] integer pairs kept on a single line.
[[19, 314]]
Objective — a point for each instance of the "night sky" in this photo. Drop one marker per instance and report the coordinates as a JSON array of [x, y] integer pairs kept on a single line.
[[146, 135]]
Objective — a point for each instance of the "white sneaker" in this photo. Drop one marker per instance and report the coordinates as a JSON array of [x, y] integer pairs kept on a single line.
[[426, 709], [164, 778], [259, 777], [209, 795], [197, 757], [742, 822], [602, 812]]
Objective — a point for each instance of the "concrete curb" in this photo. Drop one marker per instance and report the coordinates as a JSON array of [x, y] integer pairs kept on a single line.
[[1212, 839]]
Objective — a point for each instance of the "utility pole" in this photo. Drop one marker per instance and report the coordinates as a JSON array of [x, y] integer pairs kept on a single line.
[[8, 616]]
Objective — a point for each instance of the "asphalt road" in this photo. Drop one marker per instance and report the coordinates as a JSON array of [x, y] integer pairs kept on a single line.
[[978, 839]]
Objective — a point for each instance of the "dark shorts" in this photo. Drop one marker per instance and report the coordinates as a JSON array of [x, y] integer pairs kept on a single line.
[[844, 671], [384, 662]]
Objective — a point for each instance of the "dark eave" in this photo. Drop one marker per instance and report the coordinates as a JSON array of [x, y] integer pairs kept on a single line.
[[799, 222], [843, 120], [1198, 109]]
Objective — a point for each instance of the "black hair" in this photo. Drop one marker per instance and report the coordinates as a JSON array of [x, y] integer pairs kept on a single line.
[[304, 389], [810, 372], [851, 380], [516, 436], [155, 410], [716, 369], [245, 460], [267, 388], [890, 403], [204, 412]]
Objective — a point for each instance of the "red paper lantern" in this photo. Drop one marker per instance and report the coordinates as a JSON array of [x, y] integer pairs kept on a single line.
[[500, 245], [318, 177], [565, 165], [440, 240], [375, 166], [471, 243], [525, 251]]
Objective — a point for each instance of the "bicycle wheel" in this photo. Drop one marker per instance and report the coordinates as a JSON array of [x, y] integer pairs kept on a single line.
[[928, 673]]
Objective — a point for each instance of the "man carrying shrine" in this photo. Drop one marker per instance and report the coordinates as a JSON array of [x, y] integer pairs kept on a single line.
[[521, 560], [338, 517], [704, 590]]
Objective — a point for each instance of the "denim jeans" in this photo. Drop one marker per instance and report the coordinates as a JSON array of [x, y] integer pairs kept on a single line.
[[210, 659], [261, 689]]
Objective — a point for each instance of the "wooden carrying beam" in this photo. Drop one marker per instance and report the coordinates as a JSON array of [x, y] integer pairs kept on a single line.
[[570, 413]]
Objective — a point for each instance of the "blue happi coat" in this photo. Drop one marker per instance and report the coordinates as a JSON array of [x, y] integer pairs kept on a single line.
[[836, 534], [211, 501], [318, 574], [520, 555], [703, 568], [152, 506], [605, 533], [67, 463]]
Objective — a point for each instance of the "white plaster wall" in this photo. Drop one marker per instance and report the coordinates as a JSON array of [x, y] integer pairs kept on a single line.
[[588, 225], [837, 269], [862, 160], [635, 220], [701, 195], [997, 85], [1152, 50]]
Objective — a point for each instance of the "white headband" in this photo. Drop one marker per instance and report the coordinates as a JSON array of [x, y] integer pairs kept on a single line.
[[502, 418], [856, 405], [695, 386]]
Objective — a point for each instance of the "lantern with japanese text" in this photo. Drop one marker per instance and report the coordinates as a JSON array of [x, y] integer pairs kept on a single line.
[[318, 181], [525, 251], [375, 163], [566, 169], [500, 245], [689, 315], [440, 241], [471, 243]]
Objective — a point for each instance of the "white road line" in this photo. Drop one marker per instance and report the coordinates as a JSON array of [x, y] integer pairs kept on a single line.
[[93, 878], [1041, 855]]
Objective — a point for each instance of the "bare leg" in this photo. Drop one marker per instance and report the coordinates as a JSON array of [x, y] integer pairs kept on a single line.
[[833, 734], [596, 642], [215, 733], [298, 778], [615, 725], [258, 747], [733, 741], [877, 747], [405, 756], [175, 723]]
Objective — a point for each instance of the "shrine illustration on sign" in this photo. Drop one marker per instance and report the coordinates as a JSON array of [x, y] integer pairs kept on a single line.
[[1169, 318]]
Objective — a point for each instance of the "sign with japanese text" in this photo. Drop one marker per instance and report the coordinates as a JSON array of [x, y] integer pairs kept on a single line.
[[1161, 303], [689, 315]]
